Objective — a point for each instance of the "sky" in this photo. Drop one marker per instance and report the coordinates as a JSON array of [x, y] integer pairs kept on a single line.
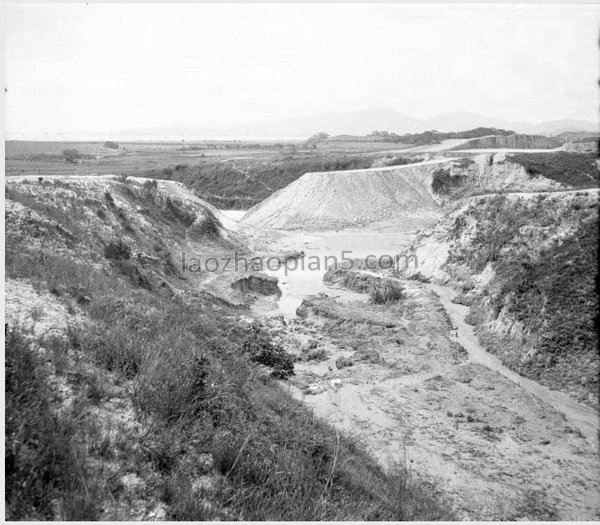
[[76, 69]]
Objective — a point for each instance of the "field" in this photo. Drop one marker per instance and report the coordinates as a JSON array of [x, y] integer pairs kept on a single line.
[[229, 175]]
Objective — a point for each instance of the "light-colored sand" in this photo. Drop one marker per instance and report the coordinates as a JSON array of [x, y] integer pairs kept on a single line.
[[345, 199]]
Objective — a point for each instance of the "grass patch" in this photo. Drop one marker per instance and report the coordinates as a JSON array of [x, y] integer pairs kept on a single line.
[[380, 289]]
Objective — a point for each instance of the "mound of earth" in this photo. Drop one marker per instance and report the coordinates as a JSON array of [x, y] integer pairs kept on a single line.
[[341, 199]]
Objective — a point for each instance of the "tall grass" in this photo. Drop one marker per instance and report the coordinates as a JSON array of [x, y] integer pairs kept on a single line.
[[200, 383], [386, 291], [44, 460]]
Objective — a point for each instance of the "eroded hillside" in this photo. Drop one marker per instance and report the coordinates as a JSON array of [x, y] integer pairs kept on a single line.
[[516, 141], [132, 393], [526, 264], [412, 196]]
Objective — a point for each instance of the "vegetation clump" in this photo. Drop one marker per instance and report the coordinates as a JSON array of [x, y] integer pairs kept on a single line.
[[576, 170], [175, 208], [444, 183], [261, 348], [118, 250], [71, 155], [386, 291]]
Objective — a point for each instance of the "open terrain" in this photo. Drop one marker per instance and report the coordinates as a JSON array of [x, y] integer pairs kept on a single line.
[[461, 387]]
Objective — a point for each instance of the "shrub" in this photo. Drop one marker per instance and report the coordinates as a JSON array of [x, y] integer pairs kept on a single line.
[[260, 347], [175, 208], [443, 183], [463, 163], [386, 291], [71, 155], [418, 276], [136, 275], [109, 198], [118, 250], [151, 184], [207, 226], [343, 362], [317, 355]]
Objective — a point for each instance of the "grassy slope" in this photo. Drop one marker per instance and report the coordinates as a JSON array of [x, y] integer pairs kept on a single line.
[[209, 433], [576, 170], [242, 184], [545, 283]]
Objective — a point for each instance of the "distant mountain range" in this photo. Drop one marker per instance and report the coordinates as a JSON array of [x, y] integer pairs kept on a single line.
[[359, 122], [384, 119]]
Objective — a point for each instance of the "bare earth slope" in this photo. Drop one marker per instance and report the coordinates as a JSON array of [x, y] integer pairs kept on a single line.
[[341, 199], [512, 141]]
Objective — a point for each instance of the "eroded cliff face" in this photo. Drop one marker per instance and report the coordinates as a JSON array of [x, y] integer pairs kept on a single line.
[[526, 264], [516, 141], [483, 174], [257, 283], [582, 147]]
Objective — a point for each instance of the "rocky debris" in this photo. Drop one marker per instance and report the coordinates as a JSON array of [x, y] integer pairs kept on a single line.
[[290, 256], [144, 258], [257, 283], [40, 314]]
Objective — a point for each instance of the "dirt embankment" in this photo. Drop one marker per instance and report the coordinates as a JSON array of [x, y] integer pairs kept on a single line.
[[342, 199], [516, 141], [257, 283], [525, 263]]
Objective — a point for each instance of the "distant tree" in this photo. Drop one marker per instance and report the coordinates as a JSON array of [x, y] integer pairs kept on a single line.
[[111, 145], [71, 155], [385, 136], [318, 137]]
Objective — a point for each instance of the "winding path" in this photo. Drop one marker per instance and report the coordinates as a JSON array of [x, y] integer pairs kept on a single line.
[[581, 416]]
